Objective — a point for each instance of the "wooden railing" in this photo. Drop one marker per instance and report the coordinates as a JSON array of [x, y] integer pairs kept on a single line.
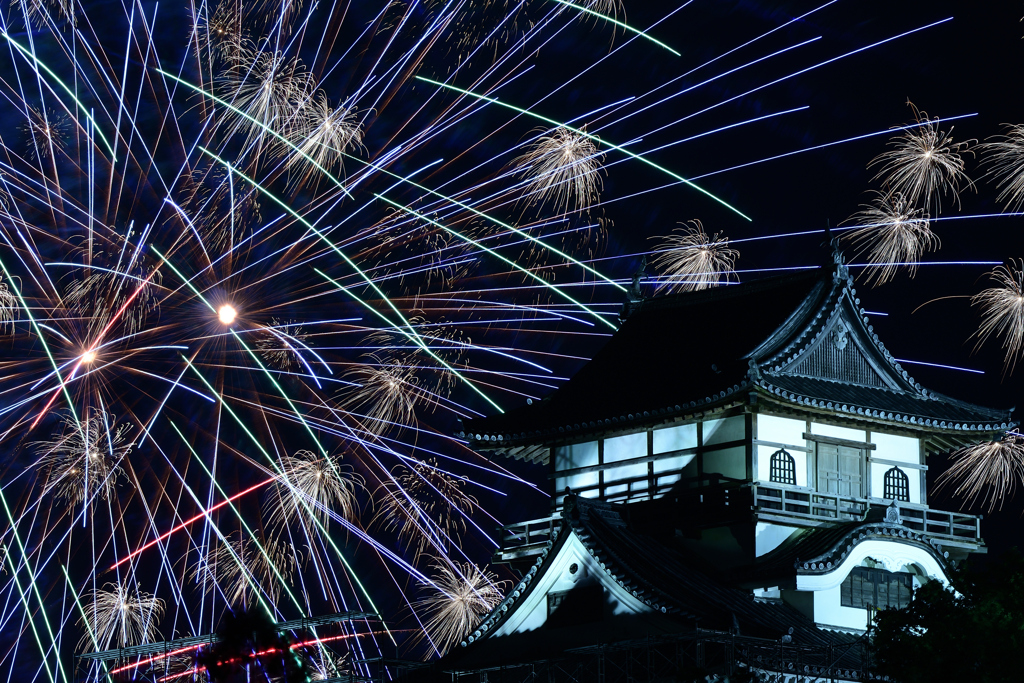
[[812, 506], [523, 539]]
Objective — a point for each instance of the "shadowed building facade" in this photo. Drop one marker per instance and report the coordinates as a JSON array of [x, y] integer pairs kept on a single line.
[[738, 481]]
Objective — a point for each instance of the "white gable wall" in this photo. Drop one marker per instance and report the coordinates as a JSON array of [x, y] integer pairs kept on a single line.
[[532, 612], [825, 588]]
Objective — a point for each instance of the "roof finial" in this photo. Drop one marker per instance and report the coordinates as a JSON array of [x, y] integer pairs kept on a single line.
[[634, 295]]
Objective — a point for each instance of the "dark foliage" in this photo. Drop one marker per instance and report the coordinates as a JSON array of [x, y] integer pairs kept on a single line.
[[251, 649], [974, 634]]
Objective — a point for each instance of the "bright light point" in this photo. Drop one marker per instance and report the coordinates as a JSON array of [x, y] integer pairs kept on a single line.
[[226, 314], [88, 356]]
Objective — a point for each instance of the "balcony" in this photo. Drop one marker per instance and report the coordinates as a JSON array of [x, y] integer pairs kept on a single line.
[[805, 507]]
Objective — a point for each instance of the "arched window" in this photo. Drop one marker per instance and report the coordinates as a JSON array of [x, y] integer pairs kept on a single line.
[[897, 485], [783, 468]]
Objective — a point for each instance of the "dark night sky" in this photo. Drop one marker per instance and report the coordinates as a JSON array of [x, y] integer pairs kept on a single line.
[[968, 65]]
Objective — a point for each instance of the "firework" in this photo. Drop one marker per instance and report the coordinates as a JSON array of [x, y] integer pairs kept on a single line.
[[924, 164], [324, 665], [1005, 157], [892, 233], [388, 391], [1002, 310], [263, 88], [118, 615], [220, 30], [424, 505], [461, 594], [316, 483], [120, 281], [322, 135], [244, 568], [83, 462], [689, 260], [562, 167], [45, 133], [10, 311], [278, 344], [988, 472]]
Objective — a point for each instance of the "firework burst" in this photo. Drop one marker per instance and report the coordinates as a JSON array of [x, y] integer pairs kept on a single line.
[[10, 311], [316, 483], [1002, 310], [1004, 155], [425, 506], [987, 473], [245, 569], [118, 615], [321, 135], [83, 462], [689, 260], [563, 168], [891, 233], [461, 595], [924, 164]]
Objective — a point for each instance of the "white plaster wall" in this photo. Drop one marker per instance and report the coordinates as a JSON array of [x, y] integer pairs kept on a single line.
[[878, 471], [673, 465], [577, 455], [724, 429], [780, 430], [892, 447], [892, 555], [625, 447], [828, 609], [532, 613], [675, 438], [768, 537], [764, 464], [838, 432]]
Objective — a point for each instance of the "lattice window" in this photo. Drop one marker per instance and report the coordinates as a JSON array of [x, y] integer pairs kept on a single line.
[[783, 468], [878, 588], [897, 485]]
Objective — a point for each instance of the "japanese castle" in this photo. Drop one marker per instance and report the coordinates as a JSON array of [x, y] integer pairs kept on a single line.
[[724, 497]]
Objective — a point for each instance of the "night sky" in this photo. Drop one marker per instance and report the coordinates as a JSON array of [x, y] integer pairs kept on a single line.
[[965, 66], [813, 83]]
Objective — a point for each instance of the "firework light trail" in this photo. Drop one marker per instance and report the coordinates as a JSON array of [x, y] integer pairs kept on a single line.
[[340, 227]]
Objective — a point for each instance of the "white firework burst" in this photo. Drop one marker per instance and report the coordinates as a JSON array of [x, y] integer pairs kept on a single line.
[[265, 86], [323, 134], [242, 568], [1004, 156], [325, 665], [563, 168], [316, 483], [1002, 310], [461, 595], [924, 164], [82, 463], [389, 391], [987, 472], [10, 311], [689, 260], [424, 506], [892, 234], [118, 615]]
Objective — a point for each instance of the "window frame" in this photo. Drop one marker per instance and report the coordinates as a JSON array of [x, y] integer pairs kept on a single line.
[[896, 485], [782, 468]]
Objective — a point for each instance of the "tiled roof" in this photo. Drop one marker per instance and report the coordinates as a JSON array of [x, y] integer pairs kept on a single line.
[[819, 550], [663, 576], [676, 357]]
